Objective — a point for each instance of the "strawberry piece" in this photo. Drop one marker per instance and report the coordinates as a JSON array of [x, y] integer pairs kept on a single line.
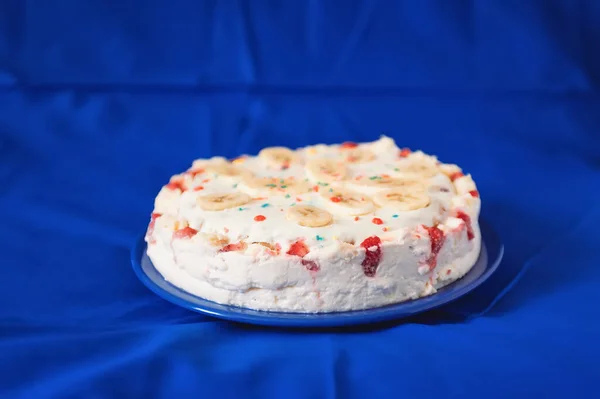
[[437, 241], [349, 144], [465, 218], [311, 265], [456, 175], [298, 248], [336, 199], [176, 185], [185, 233], [377, 221], [372, 256], [404, 152], [238, 246], [474, 193]]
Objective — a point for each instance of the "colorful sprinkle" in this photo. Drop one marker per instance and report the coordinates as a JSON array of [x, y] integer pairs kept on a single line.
[[198, 188], [264, 205], [319, 238], [284, 186], [259, 218], [385, 229], [356, 218], [287, 196], [293, 204], [377, 221], [242, 209], [336, 199], [235, 185], [316, 188], [396, 169], [205, 180], [394, 216], [323, 184], [271, 185], [298, 199]]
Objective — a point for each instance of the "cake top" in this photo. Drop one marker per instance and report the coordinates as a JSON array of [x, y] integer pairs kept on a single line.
[[319, 196]]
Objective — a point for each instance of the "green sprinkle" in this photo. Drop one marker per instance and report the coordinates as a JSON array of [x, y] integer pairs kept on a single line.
[[281, 181], [271, 185], [394, 216], [235, 185], [397, 170], [293, 204], [306, 179], [319, 238], [372, 177], [287, 196], [323, 184], [331, 190], [264, 205], [284, 186], [240, 209]]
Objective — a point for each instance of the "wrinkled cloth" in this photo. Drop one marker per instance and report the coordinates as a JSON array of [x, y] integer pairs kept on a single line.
[[102, 101]]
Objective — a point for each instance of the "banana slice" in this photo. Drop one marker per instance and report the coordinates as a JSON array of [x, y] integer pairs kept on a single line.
[[391, 182], [325, 170], [219, 202], [309, 216], [277, 157], [228, 171], [348, 202], [418, 169], [259, 186], [402, 199], [357, 155]]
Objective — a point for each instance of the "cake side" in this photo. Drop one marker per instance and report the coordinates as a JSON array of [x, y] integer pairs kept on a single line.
[[319, 229]]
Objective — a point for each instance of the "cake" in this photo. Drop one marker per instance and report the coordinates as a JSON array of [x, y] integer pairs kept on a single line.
[[324, 228]]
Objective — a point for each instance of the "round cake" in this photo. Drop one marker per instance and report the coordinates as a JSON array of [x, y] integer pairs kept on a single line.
[[323, 228]]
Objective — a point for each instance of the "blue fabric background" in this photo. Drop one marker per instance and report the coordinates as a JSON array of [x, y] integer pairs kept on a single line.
[[101, 101]]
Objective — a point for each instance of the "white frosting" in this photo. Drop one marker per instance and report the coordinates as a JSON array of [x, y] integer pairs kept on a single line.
[[259, 277]]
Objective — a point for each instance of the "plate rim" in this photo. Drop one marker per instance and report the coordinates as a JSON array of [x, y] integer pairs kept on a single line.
[[330, 319]]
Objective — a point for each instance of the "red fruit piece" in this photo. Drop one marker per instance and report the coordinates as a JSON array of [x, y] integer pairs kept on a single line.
[[336, 199], [437, 241], [298, 248], [259, 218], [176, 185], [372, 256], [195, 172], [238, 246], [150, 231], [349, 144], [311, 265], [474, 193], [377, 221], [404, 152], [185, 233], [465, 218], [456, 175]]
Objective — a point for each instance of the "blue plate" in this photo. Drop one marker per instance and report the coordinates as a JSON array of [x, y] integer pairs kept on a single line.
[[489, 259]]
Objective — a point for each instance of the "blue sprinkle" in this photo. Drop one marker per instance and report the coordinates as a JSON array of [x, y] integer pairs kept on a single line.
[[394, 216], [319, 238], [264, 205]]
